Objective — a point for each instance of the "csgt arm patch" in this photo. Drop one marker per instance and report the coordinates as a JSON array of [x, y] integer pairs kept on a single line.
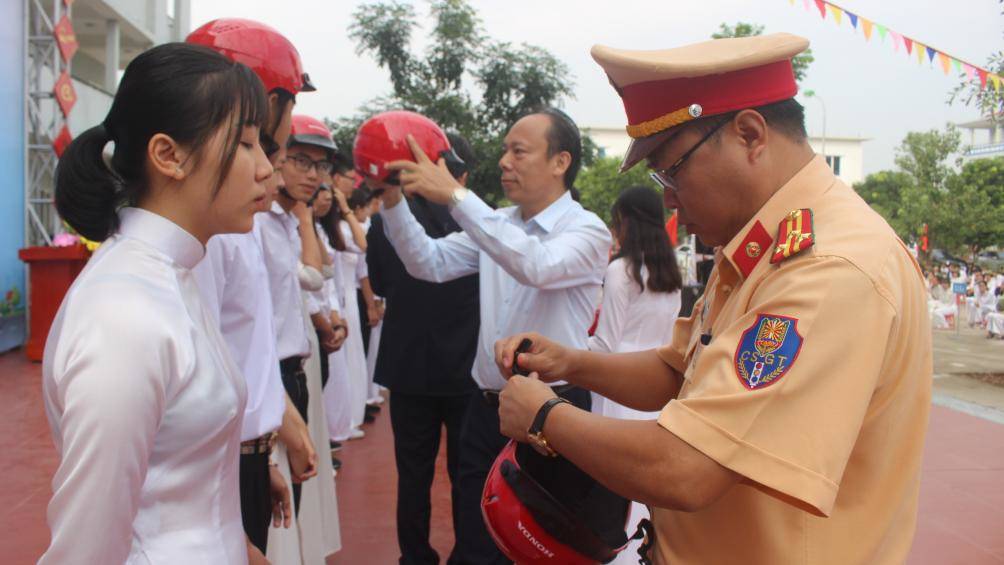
[[766, 351]]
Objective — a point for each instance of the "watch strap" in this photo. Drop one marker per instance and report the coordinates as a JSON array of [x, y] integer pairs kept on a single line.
[[538, 421]]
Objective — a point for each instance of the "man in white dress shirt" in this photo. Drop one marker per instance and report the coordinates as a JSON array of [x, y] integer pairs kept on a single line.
[[540, 264]]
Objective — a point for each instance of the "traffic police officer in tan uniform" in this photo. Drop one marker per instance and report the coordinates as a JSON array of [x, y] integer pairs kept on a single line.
[[795, 398]]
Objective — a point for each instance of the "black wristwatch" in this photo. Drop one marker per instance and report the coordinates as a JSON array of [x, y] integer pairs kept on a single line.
[[536, 431]]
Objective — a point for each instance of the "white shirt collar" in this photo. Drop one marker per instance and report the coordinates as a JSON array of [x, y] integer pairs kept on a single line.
[[547, 217], [161, 234]]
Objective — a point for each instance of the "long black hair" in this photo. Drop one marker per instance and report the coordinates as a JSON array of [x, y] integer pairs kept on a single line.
[[330, 223], [182, 90], [639, 223]]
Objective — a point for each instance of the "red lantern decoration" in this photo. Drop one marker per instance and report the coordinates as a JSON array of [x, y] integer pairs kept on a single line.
[[62, 140], [66, 38], [66, 95]]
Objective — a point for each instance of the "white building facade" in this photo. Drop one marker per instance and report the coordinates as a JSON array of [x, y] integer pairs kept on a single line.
[[844, 154], [983, 138]]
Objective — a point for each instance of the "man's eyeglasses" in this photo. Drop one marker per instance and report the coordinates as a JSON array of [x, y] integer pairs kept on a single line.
[[304, 164], [667, 177]]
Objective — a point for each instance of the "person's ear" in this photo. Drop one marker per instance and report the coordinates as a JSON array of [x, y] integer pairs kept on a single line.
[[562, 161], [166, 156], [751, 129]]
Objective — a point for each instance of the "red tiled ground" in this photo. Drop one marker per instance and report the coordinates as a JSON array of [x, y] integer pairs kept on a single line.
[[961, 504]]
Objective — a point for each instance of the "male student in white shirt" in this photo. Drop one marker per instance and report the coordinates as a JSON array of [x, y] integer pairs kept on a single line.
[[234, 287], [540, 265]]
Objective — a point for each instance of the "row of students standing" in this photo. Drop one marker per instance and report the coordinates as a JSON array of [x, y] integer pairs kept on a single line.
[[256, 287], [182, 378]]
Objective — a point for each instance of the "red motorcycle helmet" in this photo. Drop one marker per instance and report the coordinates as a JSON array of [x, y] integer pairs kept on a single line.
[[542, 509], [311, 131], [384, 138], [266, 51]]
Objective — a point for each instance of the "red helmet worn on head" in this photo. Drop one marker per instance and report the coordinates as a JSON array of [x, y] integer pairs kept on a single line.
[[266, 51], [542, 509], [384, 138], [311, 131]]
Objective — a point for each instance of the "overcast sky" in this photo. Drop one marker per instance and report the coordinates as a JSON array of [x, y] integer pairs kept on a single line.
[[869, 90]]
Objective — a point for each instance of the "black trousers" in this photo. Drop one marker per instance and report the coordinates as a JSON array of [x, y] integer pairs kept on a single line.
[[417, 422], [364, 321], [480, 443], [324, 364], [256, 507], [294, 380]]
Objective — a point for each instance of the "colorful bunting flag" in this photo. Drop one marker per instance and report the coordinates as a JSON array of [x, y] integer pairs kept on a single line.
[[946, 63], [866, 26], [837, 13], [913, 47], [896, 39]]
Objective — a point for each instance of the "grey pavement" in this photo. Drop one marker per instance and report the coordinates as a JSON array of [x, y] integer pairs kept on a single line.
[[968, 351]]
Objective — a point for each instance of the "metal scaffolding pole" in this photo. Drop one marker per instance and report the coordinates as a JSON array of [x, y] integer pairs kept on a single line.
[[43, 120]]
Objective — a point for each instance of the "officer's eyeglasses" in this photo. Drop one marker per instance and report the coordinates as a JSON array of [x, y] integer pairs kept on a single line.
[[303, 164], [667, 177]]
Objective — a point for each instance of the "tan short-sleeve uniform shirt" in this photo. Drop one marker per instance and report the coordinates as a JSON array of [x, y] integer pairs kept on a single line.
[[810, 376]]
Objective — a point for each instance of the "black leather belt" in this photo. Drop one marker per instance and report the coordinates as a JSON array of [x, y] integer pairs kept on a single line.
[[491, 397], [291, 364]]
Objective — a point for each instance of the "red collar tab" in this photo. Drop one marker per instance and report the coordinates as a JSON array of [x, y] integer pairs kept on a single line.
[[794, 235], [751, 249]]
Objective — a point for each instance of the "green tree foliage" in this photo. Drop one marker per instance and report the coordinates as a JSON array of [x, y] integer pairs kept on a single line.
[[973, 217], [600, 184], [963, 208], [465, 81], [925, 156], [888, 192], [800, 64]]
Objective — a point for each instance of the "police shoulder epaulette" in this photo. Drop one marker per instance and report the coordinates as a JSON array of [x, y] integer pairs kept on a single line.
[[794, 235]]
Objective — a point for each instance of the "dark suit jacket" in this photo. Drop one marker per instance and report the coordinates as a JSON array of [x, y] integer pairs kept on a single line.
[[430, 330]]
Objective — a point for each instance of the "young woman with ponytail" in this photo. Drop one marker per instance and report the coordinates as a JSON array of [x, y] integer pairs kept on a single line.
[[142, 396]]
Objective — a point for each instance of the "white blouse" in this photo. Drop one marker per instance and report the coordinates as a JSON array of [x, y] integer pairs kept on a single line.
[[631, 320], [145, 407]]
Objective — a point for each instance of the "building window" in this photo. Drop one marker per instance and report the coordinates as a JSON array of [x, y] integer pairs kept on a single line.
[[834, 162]]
